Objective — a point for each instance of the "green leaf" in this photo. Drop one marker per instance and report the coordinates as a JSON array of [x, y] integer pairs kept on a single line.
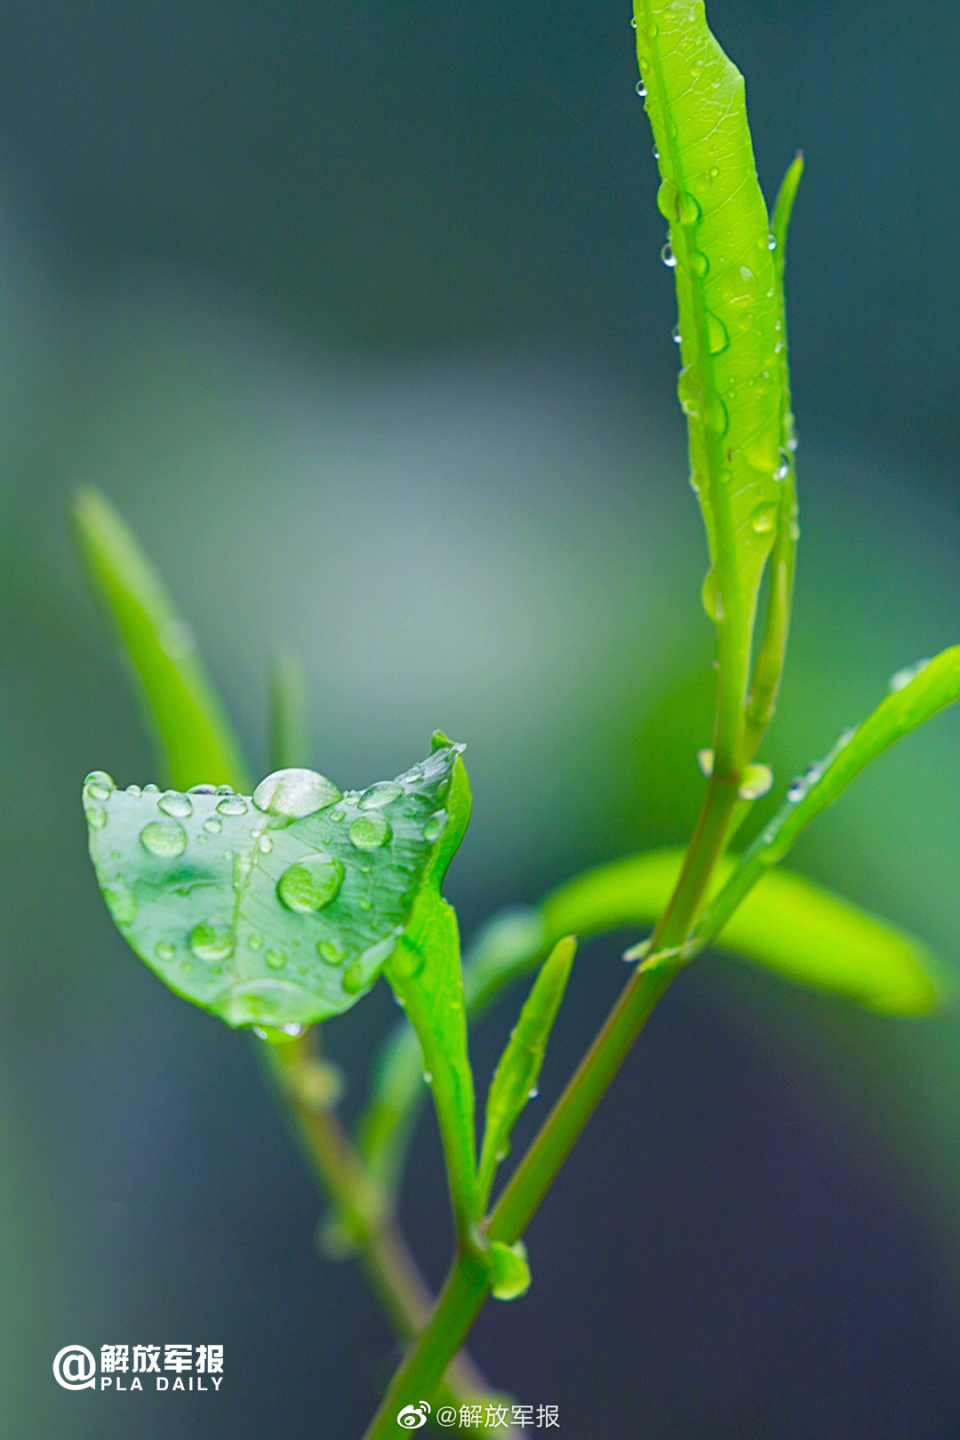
[[289, 725], [918, 694], [509, 1270], [729, 314], [276, 910], [195, 739], [516, 1075], [426, 977]]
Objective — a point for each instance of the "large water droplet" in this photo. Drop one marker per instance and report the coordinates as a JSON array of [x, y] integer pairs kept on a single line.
[[164, 838], [352, 980], [712, 599], [98, 785], [309, 884], [134, 790], [369, 831], [900, 679], [96, 817], [763, 520], [211, 940], [434, 827], [151, 789], [757, 780], [641, 88], [717, 337], [175, 804], [232, 805], [667, 256], [718, 419], [121, 902], [383, 793], [291, 794]]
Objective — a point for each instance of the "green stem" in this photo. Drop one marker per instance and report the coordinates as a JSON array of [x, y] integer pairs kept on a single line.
[[469, 1282], [391, 1269], [418, 1376]]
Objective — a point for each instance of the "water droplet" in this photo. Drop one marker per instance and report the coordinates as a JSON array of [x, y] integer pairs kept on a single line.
[[365, 903], [667, 256], [232, 805], [757, 780], [96, 817], [279, 1034], [264, 844], [434, 827], [383, 793], [255, 940], [337, 815], [633, 22], [714, 172], [121, 902], [213, 826], [369, 831], [276, 959], [134, 790], [763, 520], [797, 789], [712, 599], [164, 950], [211, 940], [717, 421], [427, 1078], [763, 455], [164, 838], [175, 804], [352, 980], [202, 790], [532, 1093], [413, 776], [717, 337], [900, 679], [700, 263], [98, 785], [675, 335], [331, 951], [771, 242], [291, 794], [151, 789], [689, 391], [705, 761], [641, 89], [309, 884], [792, 444]]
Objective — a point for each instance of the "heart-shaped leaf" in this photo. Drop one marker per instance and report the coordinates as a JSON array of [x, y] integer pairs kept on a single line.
[[275, 910]]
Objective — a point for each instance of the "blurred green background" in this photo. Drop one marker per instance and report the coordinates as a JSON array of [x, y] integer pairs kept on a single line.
[[357, 315]]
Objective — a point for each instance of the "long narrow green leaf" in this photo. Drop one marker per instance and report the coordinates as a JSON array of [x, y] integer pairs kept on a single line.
[[289, 726], [932, 688], [193, 734], [768, 669], [729, 315], [426, 976], [516, 1075]]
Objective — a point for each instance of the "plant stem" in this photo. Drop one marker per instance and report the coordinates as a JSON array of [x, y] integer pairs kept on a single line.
[[389, 1265], [468, 1284]]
